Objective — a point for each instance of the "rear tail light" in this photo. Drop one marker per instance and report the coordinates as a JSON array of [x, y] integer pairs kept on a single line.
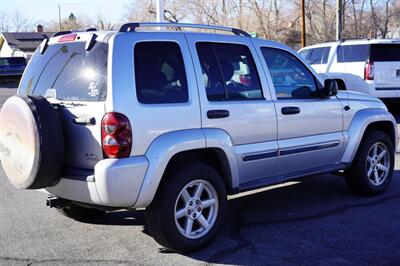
[[369, 71], [116, 135], [67, 38]]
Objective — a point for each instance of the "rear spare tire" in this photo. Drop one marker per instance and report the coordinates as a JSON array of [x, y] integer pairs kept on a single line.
[[31, 142]]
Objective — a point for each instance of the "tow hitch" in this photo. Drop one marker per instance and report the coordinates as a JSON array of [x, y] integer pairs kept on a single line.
[[54, 202]]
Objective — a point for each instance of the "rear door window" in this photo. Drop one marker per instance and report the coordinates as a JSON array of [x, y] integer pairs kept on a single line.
[[160, 73], [385, 52], [352, 53], [69, 71], [229, 72]]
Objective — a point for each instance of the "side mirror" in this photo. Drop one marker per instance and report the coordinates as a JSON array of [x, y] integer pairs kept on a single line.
[[330, 88]]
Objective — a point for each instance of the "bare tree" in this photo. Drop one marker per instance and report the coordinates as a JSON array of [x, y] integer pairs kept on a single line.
[[4, 22], [380, 19], [18, 21]]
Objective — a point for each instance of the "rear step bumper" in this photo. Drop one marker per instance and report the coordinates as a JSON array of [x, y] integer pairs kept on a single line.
[[115, 183]]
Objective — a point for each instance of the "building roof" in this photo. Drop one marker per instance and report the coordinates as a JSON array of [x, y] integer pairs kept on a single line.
[[25, 41]]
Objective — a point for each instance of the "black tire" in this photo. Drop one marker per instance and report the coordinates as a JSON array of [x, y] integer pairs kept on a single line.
[[81, 214], [160, 215], [357, 176], [32, 143]]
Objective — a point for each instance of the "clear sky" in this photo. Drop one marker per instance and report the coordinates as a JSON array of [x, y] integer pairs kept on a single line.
[[47, 10]]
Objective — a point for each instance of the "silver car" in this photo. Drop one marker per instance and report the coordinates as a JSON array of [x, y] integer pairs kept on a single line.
[[174, 121]]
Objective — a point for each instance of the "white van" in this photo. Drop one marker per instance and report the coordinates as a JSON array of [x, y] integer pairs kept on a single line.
[[369, 66]]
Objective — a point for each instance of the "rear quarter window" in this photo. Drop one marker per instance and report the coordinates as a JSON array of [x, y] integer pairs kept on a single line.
[[352, 53], [385, 52], [160, 73], [69, 70]]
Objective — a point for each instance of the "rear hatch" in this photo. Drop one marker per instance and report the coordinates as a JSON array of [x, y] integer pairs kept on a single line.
[[386, 60], [75, 80]]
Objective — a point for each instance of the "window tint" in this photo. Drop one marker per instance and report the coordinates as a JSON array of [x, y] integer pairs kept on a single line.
[[385, 52], [304, 54], [290, 77], [352, 53], [160, 73], [325, 56], [69, 70], [229, 72], [318, 55]]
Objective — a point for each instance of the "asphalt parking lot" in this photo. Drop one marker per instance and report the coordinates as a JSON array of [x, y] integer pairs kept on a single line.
[[315, 221]]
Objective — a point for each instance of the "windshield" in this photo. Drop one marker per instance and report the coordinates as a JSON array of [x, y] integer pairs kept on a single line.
[[68, 70]]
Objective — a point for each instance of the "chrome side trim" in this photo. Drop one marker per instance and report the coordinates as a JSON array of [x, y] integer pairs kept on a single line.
[[289, 151], [259, 155], [314, 147]]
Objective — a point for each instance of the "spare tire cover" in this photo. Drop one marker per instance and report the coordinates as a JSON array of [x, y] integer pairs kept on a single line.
[[31, 142]]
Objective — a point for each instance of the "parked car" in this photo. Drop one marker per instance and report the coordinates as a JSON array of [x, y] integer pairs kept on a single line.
[[174, 121], [12, 67], [368, 66]]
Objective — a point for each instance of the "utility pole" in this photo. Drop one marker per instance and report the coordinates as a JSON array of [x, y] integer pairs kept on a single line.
[[339, 19], [303, 25], [160, 10], [59, 17]]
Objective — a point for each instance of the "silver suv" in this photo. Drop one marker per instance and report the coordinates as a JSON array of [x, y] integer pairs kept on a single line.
[[174, 121]]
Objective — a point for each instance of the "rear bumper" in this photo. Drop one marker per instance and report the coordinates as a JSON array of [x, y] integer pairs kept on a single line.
[[114, 183], [384, 92]]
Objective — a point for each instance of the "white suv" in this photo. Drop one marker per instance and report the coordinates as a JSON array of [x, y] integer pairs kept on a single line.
[[174, 121], [368, 66]]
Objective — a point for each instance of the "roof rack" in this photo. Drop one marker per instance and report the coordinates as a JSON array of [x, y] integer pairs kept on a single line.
[[131, 27]]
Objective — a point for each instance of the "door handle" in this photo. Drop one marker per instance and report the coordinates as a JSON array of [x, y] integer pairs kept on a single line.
[[84, 121], [215, 114], [290, 110]]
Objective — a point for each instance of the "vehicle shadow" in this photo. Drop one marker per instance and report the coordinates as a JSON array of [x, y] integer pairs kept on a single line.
[[280, 223]]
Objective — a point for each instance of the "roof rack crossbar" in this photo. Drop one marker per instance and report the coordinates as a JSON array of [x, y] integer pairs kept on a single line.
[[131, 27]]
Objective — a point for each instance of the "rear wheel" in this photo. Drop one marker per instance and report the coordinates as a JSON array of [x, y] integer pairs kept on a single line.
[[372, 168], [80, 213], [187, 212]]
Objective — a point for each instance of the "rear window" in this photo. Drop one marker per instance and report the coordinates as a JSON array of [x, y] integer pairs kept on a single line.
[[12, 61], [352, 53], [385, 52], [68, 70]]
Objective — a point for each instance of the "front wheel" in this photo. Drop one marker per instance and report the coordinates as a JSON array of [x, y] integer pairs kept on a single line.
[[187, 212], [373, 165]]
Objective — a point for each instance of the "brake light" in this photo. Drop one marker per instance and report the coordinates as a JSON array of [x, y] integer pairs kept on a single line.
[[369, 71], [67, 38], [116, 135]]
